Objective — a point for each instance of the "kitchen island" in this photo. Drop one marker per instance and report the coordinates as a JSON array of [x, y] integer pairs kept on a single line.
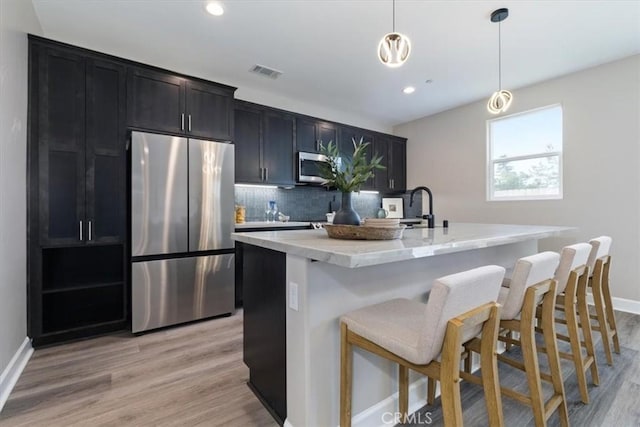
[[299, 283]]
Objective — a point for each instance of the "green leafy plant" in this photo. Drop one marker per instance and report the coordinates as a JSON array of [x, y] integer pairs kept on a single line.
[[348, 174]]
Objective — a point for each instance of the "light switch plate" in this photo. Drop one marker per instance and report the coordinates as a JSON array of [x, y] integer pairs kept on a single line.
[[293, 296]]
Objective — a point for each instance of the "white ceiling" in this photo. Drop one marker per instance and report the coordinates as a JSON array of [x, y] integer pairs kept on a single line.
[[327, 48]]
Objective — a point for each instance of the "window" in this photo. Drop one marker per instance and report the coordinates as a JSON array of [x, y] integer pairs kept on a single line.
[[525, 155]]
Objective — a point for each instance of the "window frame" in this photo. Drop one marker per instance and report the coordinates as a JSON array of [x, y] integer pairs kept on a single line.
[[490, 163]]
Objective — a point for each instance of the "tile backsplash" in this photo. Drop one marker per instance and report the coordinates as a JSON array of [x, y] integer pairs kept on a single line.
[[310, 203]]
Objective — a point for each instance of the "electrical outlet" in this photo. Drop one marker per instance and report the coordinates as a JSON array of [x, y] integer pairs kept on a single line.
[[293, 296]]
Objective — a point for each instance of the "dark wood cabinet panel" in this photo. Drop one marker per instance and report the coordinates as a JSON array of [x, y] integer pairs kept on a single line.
[[209, 111], [399, 165], [156, 101], [60, 126], [306, 139], [326, 132], [382, 179], [278, 155], [248, 142], [105, 152], [393, 179], [77, 193]]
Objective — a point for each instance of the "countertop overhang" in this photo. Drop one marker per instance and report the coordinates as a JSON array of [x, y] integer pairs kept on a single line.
[[416, 243]]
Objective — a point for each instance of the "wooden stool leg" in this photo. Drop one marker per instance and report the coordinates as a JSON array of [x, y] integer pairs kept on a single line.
[[576, 348], [585, 325], [489, 370], [450, 376], [431, 390], [611, 318], [549, 334], [532, 369], [603, 325], [403, 392], [346, 373], [508, 345], [468, 362]]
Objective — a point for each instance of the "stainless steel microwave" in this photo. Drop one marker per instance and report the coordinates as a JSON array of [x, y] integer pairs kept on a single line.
[[308, 167]]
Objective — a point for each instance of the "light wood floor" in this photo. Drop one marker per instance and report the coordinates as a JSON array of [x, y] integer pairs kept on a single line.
[[186, 376], [194, 376]]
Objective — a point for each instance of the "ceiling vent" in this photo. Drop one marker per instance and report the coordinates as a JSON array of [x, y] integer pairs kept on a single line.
[[265, 71]]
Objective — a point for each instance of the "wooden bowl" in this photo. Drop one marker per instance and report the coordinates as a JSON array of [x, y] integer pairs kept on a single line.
[[362, 232]]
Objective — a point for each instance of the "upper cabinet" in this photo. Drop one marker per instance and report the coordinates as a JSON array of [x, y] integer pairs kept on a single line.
[[264, 140], [394, 157], [310, 133], [79, 127], [164, 102]]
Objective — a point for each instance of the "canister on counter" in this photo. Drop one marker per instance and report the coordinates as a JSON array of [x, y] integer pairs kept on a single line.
[[240, 214]]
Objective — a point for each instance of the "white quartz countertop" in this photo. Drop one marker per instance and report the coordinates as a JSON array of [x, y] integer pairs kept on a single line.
[[265, 224], [416, 243]]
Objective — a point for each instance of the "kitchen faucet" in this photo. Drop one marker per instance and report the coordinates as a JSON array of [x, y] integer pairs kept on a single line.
[[431, 219]]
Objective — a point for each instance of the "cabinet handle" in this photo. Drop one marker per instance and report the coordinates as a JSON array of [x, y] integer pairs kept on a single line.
[[189, 122], [80, 230], [266, 174], [182, 121], [393, 183], [261, 174], [90, 238]]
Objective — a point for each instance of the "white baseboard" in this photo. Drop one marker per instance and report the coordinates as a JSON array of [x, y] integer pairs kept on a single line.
[[12, 372], [621, 304]]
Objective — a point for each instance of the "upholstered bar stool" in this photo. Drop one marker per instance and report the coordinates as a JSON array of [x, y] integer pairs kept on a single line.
[[572, 276], [413, 335], [599, 263], [532, 283]]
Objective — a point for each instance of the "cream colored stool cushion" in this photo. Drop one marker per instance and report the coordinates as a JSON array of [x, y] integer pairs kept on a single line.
[[571, 257], [415, 331], [600, 246], [528, 271]]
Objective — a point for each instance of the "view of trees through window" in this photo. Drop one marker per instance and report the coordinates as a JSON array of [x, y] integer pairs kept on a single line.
[[526, 153]]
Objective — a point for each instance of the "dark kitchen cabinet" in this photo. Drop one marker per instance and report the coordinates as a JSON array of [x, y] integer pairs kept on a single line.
[[77, 194], [394, 152], [164, 102], [347, 137], [310, 133], [264, 141]]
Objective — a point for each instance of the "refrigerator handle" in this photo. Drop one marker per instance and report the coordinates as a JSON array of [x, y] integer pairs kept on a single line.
[[80, 230]]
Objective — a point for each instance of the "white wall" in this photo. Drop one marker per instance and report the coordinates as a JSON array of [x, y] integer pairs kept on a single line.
[[601, 111], [16, 18]]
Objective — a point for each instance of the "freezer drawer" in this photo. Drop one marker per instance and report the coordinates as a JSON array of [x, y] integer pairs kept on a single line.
[[159, 182], [171, 291]]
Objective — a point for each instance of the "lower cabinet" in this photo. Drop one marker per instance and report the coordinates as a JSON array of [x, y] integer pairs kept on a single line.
[[81, 293], [264, 333]]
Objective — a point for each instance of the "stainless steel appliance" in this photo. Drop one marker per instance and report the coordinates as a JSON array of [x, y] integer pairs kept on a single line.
[[182, 217], [308, 167]]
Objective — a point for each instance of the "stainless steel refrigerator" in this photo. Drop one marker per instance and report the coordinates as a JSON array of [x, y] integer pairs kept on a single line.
[[182, 217]]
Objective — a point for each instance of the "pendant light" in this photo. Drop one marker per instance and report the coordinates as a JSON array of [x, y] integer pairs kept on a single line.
[[500, 100], [394, 48]]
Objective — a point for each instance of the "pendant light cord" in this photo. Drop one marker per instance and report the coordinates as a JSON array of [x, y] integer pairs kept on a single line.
[[500, 55], [394, 16]]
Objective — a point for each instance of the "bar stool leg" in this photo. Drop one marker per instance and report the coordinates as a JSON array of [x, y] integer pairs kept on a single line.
[[489, 370], [553, 358], [585, 325], [346, 377], [532, 369], [403, 392], [450, 377], [576, 348], [609, 307], [603, 325], [431, 391]]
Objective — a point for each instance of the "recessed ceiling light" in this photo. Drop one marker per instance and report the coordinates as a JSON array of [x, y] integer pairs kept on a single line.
[[215, 8], [409, 89], [429, 81]]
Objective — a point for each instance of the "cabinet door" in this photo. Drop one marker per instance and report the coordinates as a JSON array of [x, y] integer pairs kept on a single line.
[[306, 135], [156, 101], [326, 132], [382, 178], [105, 151], [399, 164], [61, 117], [347, 136], [278, 158], [209, 111], [248, 137]]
